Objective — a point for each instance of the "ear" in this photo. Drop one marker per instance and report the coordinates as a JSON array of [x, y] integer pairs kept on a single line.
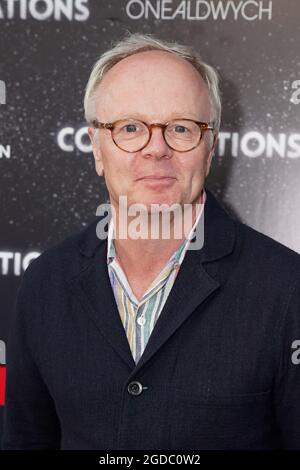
[[211, 152], [94, 136]]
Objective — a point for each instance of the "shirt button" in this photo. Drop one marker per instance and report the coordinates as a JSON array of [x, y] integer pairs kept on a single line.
[[141, 321], [135, 388]]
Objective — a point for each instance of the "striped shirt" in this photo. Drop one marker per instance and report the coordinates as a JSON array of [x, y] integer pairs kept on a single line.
[[140, 317]]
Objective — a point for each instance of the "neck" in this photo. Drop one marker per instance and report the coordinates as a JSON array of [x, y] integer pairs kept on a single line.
[[161, 237]]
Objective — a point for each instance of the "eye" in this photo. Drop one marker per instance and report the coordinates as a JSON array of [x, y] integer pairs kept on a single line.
[[130, 128], [180, 129]]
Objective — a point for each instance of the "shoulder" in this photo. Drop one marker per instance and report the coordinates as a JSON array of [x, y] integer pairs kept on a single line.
[[260, 244], [63, 258], [266, 257]]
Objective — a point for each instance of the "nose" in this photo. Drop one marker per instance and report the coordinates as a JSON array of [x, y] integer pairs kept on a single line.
[[157, 146]]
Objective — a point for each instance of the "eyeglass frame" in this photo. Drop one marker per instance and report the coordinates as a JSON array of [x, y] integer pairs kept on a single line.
[[203, 126]]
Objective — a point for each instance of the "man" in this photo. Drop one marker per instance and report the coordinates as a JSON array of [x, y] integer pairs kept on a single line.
[[146, 343]]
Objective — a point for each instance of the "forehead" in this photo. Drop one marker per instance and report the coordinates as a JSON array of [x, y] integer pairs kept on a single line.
[[156, 84]]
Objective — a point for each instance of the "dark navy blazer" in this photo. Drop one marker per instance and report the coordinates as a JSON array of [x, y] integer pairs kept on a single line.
[[220, 370]]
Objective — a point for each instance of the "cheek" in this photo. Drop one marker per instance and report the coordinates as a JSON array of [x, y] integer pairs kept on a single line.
[[111, 160], [116, 168], [193, 166]]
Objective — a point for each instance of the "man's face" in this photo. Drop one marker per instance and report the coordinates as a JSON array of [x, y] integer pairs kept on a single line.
[[152, 86]]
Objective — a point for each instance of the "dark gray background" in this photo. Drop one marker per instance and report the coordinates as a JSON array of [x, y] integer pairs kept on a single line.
[[47, 193]]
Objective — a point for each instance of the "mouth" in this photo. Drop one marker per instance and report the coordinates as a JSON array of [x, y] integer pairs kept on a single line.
[[156, 182], [155, 178]]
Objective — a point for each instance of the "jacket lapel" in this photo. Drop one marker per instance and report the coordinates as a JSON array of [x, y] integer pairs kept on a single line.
[[201, 274], [92, 288], [191, 287]]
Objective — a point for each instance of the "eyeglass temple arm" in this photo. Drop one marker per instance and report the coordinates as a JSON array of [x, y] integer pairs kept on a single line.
[[101, 125]]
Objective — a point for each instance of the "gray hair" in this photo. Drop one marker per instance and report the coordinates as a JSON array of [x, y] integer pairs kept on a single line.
[[136, 42]]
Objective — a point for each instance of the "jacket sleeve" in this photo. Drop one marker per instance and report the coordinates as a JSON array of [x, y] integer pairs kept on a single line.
[[287, 388], [30, 418]]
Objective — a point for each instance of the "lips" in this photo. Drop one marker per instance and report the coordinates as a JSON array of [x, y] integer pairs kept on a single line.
[[155, 177], [156, 182]]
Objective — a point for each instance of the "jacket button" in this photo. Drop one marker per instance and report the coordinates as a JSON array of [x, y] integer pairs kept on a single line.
[[135, 388]]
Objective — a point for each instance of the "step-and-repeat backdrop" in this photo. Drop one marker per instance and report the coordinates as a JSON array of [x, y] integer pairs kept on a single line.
[[48, 185]]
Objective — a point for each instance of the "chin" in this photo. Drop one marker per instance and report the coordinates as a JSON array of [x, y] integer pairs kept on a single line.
[[159, 200]]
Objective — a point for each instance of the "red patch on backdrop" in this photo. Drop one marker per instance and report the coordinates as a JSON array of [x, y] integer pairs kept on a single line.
[[2, 385]]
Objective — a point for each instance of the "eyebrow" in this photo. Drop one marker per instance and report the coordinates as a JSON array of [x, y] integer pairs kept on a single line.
[[172, 116]]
